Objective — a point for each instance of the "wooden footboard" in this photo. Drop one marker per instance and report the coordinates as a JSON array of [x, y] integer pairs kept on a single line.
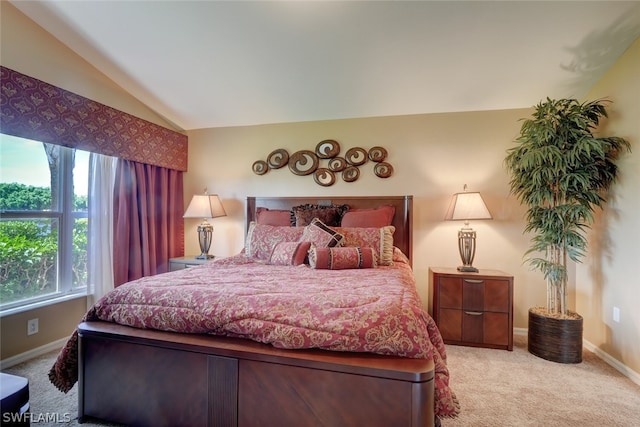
[[152, 378]]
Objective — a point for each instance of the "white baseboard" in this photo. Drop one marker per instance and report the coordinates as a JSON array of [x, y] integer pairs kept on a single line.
[[39, 351], [619, 366], [615, 363], [520, 331]]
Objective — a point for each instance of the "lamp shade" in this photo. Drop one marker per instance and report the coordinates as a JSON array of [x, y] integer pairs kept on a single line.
[[466, 206], [205, 206]]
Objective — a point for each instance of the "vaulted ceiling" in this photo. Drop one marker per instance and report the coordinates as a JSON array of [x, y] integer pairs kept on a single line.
[[207, 64]]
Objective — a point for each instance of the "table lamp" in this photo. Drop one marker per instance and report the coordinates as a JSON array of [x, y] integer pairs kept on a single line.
[[464, 207], [205, 206]]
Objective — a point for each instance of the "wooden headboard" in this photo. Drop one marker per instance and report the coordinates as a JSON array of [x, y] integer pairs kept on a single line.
[[402, 220]]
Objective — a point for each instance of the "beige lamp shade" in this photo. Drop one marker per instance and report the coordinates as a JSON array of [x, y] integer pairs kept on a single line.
[[205, 206], [466, 206]]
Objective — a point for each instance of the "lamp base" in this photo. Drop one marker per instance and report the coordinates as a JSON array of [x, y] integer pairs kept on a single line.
[[467, 269], [205, 256]]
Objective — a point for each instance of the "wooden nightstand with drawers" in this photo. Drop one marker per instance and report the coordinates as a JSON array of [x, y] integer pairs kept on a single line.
[[474, 309]]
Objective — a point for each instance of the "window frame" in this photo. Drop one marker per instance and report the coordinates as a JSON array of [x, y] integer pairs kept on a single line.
[[66, 217]]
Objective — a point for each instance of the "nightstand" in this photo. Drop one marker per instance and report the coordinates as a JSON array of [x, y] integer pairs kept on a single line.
[[186, 261], [474, 309]]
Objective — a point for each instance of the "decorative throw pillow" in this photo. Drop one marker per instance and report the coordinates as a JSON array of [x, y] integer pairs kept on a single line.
[[376, 217], [273, 217], [341, 258], [261, 239], [380, 239], [331, 215], [289, 253], [321, 235]]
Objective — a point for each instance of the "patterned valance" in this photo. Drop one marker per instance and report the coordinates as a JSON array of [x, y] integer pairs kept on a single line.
[[33, 109]]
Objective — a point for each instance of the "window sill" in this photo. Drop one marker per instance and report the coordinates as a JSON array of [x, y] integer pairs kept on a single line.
[[43, 303]]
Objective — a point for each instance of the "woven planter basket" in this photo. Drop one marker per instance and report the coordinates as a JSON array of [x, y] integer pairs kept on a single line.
[[557, 340]]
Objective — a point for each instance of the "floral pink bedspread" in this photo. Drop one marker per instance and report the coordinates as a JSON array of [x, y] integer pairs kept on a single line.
[[375, 310]]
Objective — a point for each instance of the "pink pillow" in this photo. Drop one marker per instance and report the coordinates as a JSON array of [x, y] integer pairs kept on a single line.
[[289, 253], [341, 258], [375, 217], [321, 235], [273, 217], [261, 239], [380, 239]]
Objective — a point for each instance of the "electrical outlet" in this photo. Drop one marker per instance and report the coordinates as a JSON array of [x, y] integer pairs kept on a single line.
[[616, 314], [32, 326]]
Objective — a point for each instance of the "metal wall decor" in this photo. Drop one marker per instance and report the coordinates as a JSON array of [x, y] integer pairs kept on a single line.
[[327, 149], [307, 162], [303, 162], [278, 158], [260, 167]]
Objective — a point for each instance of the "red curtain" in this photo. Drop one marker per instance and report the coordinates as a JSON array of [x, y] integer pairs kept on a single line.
[[148, 225]]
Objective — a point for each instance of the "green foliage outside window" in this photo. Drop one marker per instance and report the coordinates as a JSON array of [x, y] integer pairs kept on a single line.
[[29, 247]]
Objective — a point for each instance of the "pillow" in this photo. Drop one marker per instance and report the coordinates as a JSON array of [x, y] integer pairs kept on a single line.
[[380, 239], [261, 239], [321, 235], [331, 215], [289, 253], [273, 217], [376, 217], [341, 258]]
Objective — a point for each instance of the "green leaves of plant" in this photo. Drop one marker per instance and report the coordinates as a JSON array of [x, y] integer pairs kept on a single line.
[[561, 171]]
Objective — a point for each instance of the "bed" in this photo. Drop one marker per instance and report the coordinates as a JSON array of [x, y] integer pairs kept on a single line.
[[278, 369]]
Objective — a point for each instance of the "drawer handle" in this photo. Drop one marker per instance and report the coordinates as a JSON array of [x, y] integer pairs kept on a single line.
[[473, 280], [474, 313]]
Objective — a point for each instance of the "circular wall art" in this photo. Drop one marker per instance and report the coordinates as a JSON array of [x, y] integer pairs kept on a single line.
[[327, 149], [377, 154], [350, 174], [303, 162], [278, 158], [356, 156], [383, 170], [324, 177], [260, 167], [337, 164], [325, 163]]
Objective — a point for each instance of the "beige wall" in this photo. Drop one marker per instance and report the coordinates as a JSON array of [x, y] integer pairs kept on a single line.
[[609, 278], [55, 322], [27, 48]]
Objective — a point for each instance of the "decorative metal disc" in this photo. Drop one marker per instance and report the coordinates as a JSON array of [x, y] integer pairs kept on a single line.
[[337, 164], [327, 149], [356, 156], [278, 158], [383, 170], [324, 177], [260, 167], [377, 154], [350, 174], [303, 162]]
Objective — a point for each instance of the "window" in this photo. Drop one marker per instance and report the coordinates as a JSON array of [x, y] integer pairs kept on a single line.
[[43, 223]]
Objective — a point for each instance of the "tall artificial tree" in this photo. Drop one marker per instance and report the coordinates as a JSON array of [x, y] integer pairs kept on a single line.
[[561, 172]]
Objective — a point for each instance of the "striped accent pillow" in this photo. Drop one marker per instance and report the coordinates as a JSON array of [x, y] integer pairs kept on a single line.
[[341, 258]]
